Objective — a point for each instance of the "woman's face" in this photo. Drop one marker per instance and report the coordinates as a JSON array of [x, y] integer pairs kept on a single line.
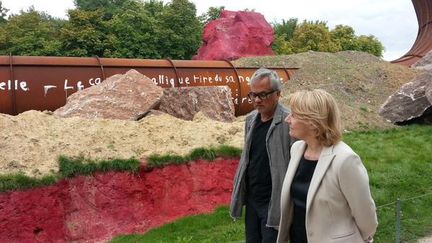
[[300, 129]]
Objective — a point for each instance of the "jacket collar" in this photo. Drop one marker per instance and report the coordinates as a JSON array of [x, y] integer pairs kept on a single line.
[[278, 116], [294, 163], [324, 161]]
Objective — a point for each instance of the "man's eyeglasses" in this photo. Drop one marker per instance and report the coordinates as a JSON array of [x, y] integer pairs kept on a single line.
[[262, 95]]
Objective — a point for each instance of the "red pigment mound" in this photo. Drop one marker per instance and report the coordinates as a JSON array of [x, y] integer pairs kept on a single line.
[[97, 208], [236, 34]]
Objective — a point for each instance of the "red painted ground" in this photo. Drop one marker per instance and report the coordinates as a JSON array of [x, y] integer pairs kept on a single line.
[[97, 208]]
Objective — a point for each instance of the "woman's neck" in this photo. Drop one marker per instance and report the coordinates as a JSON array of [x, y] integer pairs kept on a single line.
[[313, 149]]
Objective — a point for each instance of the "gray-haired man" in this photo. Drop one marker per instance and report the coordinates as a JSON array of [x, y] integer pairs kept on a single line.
[[264, 161]]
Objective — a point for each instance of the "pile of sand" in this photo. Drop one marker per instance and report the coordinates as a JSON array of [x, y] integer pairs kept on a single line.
[[32, 141]]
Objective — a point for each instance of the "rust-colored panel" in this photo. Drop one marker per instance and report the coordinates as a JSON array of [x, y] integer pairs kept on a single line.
[[423, 43], [44, 83]]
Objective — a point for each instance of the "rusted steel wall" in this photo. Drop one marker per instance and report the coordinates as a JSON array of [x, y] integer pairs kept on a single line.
[[423, 43], [44, 83]]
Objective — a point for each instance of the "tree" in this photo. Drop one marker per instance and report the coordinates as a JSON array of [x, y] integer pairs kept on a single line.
[[212, 13], [109, 8], [154, 8], [85, 34], [30, 33], [3, 13], [369, 44], [286, 28], [344, 37], [179, 31], [313, 36], [293, 38], [283, 34], [133, 34], [281, 46]]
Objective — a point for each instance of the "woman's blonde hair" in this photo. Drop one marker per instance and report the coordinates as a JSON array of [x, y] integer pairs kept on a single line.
[[318, 108]]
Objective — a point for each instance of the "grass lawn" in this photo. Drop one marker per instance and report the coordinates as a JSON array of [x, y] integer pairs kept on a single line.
[[399, 163]]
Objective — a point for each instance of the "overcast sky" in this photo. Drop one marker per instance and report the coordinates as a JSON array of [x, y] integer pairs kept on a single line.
[[393, 22]]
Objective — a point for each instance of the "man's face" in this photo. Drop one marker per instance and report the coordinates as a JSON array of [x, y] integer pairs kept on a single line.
[[263, 97]]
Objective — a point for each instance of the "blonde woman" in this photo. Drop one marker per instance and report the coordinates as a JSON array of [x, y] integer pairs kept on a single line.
[[325, 195]]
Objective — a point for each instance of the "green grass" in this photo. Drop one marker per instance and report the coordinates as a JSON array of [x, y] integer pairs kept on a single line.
[[70, 167], [21, 182], [399, 162], [216, 227], [209, 154]]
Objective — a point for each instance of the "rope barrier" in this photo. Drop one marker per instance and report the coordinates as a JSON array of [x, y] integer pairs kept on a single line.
[[406, 199]]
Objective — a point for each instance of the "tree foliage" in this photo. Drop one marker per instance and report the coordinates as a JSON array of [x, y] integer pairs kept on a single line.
[[281, 46], [179, 30], [3, 13], [313, 36], [134, 34], [154, 8], [369, 44], [132, 29], [30, 33], [316, 36], [212, 13], [109, 8], [85, 34], [152, 29], [283, 34], [286, 28], [344, 37]]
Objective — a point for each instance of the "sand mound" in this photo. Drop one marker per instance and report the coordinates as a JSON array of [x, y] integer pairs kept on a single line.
[[32, 141]]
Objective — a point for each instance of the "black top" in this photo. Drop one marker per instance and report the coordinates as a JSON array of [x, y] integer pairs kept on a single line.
[[299, 191], [258, 176]]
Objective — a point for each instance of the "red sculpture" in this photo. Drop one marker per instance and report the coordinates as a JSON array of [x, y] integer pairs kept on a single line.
[[235, 35]]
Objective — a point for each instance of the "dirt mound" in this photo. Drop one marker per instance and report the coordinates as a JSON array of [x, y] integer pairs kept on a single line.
[[32, 141], [360, 82]]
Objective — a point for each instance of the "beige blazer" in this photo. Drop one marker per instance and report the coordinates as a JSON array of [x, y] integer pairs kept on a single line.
[[339, 205]]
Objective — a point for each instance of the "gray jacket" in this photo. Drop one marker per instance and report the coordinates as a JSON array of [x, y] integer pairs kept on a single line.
[[278, 143]]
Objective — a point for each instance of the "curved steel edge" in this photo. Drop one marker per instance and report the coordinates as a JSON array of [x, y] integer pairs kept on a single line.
[[423, 42]]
